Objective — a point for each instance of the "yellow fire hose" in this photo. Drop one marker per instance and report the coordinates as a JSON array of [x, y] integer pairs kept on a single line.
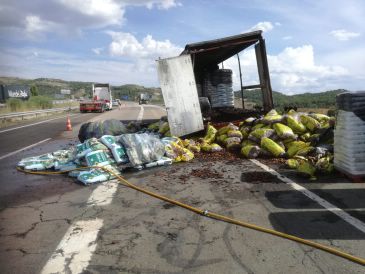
[[216, 216]]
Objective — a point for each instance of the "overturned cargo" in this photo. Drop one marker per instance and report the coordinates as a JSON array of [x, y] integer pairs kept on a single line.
[[192, 84]]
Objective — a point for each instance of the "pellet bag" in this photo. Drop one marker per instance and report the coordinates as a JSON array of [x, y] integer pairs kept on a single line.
[[273, 147], [250, 151], [283, 131]]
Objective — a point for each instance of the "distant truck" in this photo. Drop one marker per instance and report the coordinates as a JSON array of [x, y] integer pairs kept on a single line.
[[102, 99], [143, 98]]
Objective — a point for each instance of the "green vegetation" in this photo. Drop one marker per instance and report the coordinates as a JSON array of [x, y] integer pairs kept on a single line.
[[50, 87], [14, 104], [306, 100], [34, 103], [34, 91], [132, 91]]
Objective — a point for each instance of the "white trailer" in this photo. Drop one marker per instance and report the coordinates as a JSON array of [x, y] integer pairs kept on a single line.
[[103, 92], [182, 80]]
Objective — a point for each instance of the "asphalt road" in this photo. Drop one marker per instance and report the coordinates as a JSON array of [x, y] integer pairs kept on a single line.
[[51, 224]]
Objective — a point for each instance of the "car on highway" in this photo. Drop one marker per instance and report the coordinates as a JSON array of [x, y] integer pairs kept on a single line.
[[115, 103]]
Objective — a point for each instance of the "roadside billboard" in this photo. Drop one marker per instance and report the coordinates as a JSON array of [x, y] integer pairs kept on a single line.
[[14, 91]]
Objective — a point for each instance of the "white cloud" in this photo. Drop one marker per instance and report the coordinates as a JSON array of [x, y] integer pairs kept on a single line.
[[108, 11], [160, 4], [67, 16], [344, 35], [167, 4], [264, 26], [125, 44], [35, 27], [97, 51], [34, 24], [292, 70], [59, 65]]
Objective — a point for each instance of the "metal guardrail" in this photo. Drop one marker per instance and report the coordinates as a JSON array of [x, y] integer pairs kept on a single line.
[[35, 112]]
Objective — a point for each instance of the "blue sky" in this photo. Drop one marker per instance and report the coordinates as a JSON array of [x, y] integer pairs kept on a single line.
[[312, 45]]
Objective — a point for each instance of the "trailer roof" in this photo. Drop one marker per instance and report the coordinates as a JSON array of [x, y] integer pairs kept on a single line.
[[210, 53]]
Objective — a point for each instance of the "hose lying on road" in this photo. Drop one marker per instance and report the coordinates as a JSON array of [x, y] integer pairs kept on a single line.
[[215, 215]]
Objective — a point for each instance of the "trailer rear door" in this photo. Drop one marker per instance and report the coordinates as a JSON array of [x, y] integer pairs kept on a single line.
[[180, 95]]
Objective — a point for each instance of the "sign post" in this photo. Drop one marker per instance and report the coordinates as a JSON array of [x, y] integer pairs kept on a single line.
[[67, 92]]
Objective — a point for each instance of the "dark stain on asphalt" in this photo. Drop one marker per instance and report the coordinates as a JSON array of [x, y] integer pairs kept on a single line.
[[206, 173], [259, 177], [167, 206]]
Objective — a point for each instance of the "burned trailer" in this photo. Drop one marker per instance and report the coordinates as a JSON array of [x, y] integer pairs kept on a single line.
[[194, 86]]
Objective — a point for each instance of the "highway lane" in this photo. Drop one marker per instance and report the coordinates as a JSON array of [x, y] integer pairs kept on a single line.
[[12, 140], [55, 225], [33, 216], [23, 136], [52, 136]]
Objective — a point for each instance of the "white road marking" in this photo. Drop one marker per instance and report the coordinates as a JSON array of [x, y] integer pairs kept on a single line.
[[24, 148], [140, 114], [155, 106], [103, 194], [75, 250], [327, 205], [41, 122]]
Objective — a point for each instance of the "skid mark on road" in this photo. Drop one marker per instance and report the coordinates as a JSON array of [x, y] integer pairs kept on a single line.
[[75, 250], [24, 148], [327, 205], [41, 122]]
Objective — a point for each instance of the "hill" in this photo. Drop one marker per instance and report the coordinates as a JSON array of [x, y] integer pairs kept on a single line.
[[51, 87], [325, 99]]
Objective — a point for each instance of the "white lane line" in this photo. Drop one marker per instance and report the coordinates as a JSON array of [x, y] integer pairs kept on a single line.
[[41, 122], [103, 194], [75, 250], [327, 205], [140, 114], [155, 106], [24, 148]]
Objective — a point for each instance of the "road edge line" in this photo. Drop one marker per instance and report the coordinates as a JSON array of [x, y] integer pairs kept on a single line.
[[140, 114], [324, 203], [24, 148], [76, 248], [41, 122]]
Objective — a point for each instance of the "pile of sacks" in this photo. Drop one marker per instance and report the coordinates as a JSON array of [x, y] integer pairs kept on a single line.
[[114, 153], [305, 139], [294, 135]]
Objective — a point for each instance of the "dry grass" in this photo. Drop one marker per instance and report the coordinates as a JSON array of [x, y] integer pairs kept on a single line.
[[316, 110]]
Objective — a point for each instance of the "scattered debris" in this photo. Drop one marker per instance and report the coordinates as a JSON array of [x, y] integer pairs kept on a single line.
[[305, 139], [206, 173]]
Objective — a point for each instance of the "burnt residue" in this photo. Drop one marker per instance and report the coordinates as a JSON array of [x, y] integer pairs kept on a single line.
[[259, 177]]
